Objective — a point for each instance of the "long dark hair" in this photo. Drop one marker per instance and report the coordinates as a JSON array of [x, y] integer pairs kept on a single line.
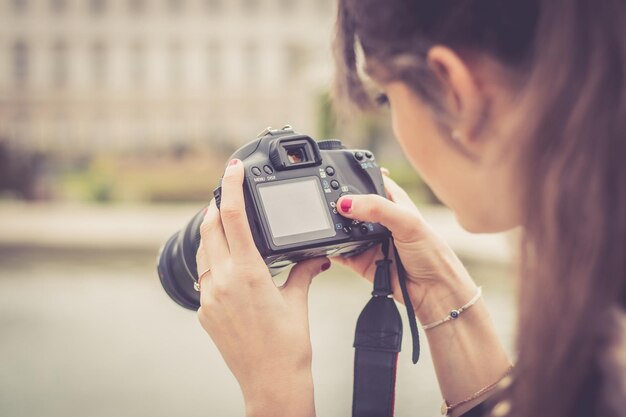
[[569, 58]]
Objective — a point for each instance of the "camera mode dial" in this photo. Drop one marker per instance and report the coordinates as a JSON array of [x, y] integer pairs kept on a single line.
[[330, 144]]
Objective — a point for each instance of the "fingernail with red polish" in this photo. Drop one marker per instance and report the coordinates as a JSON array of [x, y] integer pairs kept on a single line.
[[326, 266], [346, 205], [233, 162]]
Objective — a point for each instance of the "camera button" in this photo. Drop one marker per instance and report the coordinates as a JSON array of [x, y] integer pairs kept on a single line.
[[268, 169], [369, 155], [359, 155], [330, 171], [347, 230], [256, 171], [334, 184], [364, 229]]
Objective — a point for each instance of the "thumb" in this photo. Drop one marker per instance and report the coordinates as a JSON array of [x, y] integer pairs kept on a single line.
[[404, 222], [300, 277]]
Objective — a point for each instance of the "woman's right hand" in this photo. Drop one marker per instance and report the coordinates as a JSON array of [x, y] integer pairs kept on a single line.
[[437, 281]]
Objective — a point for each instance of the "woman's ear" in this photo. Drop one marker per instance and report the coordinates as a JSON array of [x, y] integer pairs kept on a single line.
[[464, 100]]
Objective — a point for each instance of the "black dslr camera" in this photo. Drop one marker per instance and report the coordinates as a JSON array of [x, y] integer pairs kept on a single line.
[[291, 187]]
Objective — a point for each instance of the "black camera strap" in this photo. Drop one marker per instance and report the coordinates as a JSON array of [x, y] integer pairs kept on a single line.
[[378, 341]]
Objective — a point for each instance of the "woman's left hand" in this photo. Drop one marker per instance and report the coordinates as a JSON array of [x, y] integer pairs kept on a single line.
[[262, 331]]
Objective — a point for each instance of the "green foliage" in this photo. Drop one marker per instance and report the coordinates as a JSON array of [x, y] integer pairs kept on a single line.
[[88, 185], [405, 176], [326, 118], [175, 177]]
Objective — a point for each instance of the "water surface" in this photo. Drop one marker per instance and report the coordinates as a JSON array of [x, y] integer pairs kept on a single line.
[[92, 334]]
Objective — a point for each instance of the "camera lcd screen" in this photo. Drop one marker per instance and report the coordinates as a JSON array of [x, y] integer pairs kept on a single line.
[[296, 210]]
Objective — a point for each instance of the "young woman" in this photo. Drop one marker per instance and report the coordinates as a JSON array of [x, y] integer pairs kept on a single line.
[[514, 112]]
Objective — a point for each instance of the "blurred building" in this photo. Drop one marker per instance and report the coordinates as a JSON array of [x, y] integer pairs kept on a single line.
[[83, 75]]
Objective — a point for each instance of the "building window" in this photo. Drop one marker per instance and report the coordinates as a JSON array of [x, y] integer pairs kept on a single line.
[[19, 6], [137, 6], [97, 7], [175, 53], [214, 6], [325, 6], [59, 64], [213, 62], [137, 63], [175, 6], [296, 57], [21, 124], [250, 6], [287, 5], [20, 63], [251, 62], [99, 63], [58, 6]]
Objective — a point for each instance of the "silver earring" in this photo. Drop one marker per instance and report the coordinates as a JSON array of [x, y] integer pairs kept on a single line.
[[456, 135]]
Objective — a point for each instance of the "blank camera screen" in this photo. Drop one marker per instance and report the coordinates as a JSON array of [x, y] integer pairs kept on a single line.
[[295, 208]]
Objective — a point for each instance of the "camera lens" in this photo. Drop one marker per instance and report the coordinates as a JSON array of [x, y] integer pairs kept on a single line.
[[177, 264]]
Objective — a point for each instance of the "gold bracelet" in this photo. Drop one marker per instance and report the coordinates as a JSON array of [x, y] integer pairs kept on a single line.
[[446, 408]]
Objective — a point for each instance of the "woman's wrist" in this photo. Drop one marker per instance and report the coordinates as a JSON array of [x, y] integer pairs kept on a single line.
[[438, 301], [451, 288], [290, 396], [468, 356]]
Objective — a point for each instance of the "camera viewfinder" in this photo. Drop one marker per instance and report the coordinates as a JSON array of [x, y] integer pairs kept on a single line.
[[296, 155], [294, 152]]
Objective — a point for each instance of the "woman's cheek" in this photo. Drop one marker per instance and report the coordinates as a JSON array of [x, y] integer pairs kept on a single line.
[[414, 134], [427, 152]]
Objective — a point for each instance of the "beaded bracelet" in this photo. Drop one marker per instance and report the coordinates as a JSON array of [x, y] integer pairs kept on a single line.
[[454, 314]]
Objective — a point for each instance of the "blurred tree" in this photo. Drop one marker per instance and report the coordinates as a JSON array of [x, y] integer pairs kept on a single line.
[[374, 132], [21, 173], [326, 119]]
